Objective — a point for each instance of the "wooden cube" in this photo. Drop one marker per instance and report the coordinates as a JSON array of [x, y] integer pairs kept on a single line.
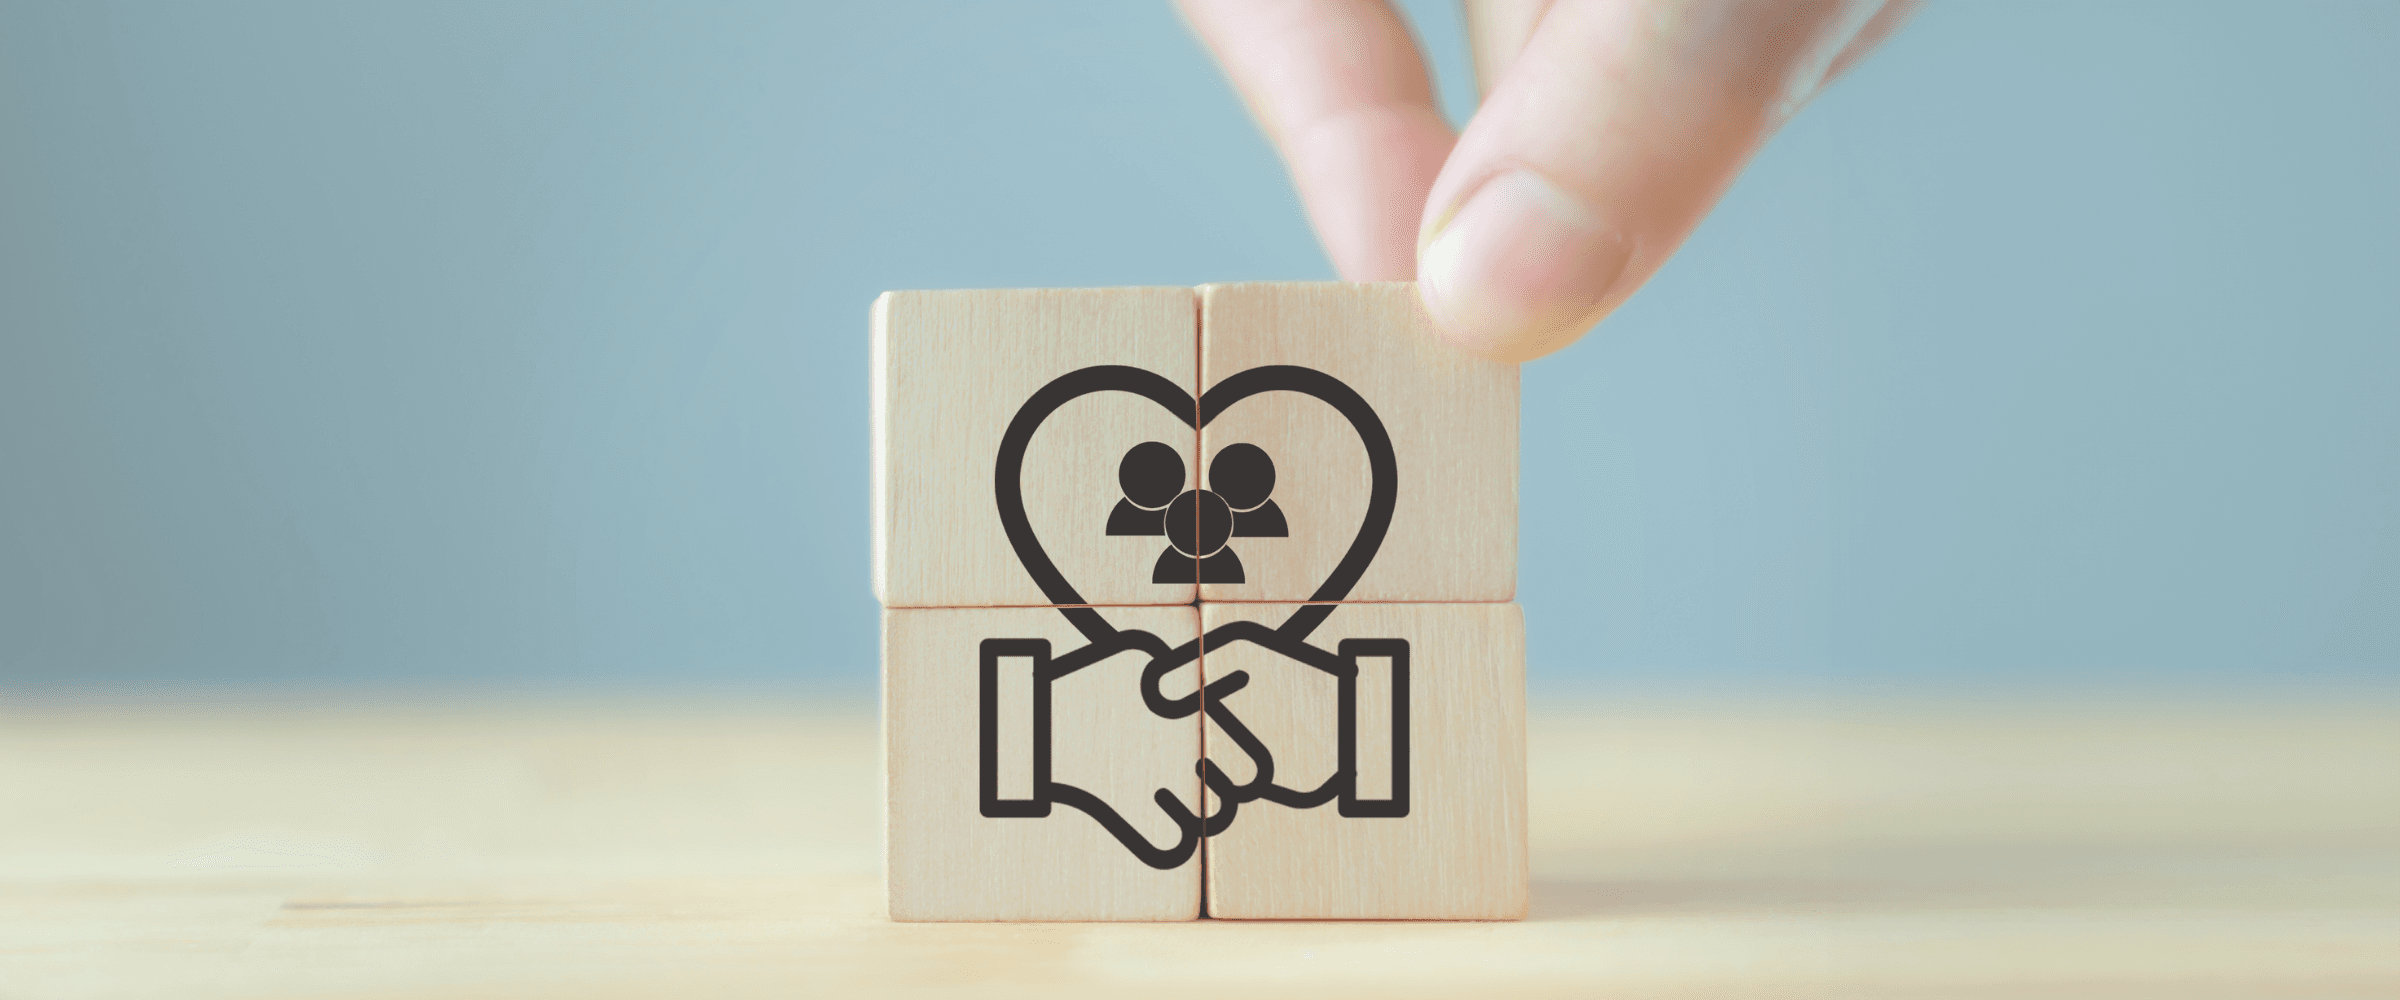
[[1028, 444], [1056, 470], [1357, 458], [1026, 776], [1373, 762]]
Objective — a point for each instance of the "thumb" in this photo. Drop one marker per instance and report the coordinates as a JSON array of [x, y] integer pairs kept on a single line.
[[1601, 146]]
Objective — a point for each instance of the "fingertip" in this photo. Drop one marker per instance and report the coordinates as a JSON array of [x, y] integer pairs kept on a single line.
[[1343, 92], [1520, 269], [1513, 346]]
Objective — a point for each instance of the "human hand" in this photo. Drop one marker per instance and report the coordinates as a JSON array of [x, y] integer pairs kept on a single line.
[[1069, 730], [1289, 757], [1608, 128]]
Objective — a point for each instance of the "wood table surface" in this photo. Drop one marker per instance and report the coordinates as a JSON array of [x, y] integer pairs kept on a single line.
[[268, 847]]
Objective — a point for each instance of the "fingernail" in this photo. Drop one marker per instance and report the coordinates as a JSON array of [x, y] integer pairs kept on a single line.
[[1517, 271], [1808, 72]]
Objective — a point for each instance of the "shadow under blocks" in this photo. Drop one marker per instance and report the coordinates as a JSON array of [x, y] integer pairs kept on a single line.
[[1197, 601]]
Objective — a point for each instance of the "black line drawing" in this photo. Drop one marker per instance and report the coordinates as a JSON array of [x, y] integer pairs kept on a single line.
[[1237, 504], [1045, 791], [1352, 651]]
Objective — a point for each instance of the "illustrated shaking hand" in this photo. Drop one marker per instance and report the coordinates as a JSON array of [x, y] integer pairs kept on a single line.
[[1312, 725], [1073, 731]]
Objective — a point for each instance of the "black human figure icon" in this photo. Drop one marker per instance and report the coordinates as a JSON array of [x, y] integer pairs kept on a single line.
[[1151, 475], [1245, 477], [1197, 523]]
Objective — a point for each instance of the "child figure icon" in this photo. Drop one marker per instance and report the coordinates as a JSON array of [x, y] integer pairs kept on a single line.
[[1199, 525]]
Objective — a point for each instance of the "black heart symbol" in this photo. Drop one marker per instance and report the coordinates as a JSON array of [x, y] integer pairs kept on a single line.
[[1382, 466]]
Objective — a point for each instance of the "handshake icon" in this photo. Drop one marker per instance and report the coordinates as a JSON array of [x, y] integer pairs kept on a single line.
[[1325, 726]]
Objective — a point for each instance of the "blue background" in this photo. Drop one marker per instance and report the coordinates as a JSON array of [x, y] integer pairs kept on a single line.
[[524, 344]]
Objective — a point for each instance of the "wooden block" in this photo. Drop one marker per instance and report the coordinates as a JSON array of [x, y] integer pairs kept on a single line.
[[1395, 736], [1062, 385], [1357, 458], [1025, 776]]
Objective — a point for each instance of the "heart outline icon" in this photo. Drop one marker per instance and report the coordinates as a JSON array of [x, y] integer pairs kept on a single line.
[[1383, 469], [1106, 640]]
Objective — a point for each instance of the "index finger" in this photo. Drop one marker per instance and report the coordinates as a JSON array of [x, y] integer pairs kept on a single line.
[[1341, 90]]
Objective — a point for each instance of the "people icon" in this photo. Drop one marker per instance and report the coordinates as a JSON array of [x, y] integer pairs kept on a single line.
[[1245, 476], [1151, 475], [1198, 524]]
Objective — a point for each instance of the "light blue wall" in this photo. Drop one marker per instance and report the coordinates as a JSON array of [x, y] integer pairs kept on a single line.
[[524, 344]]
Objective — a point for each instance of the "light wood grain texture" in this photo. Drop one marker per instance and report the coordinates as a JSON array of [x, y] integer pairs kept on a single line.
[[266, 847], [951, 371], [947, 859], [1459, 852], [1451, 420]]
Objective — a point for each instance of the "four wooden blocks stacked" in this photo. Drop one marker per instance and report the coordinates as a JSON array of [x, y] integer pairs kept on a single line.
[[1196, 601]]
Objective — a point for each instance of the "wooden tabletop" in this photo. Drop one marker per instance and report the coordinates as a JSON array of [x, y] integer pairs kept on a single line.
[[649, 847]]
